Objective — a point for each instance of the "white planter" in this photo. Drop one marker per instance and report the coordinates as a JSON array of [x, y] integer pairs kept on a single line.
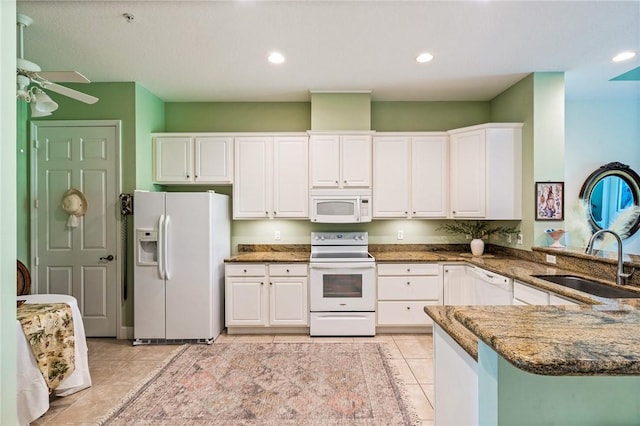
[[477, 247]]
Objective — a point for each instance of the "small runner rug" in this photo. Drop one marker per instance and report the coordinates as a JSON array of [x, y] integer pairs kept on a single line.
[[270, 384]]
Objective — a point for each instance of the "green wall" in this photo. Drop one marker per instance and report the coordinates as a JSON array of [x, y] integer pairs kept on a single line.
[[516, 105], [237, 116], [427, 116], [149, 113], [340, 111]]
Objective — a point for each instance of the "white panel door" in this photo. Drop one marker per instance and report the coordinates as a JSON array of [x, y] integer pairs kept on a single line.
[[356, 161], [391, 176], [324, 161], [291, 177], [468, 190], [79, 261], [429, 176], [173, 159], [288, 301], [213, 160], [252, 178]]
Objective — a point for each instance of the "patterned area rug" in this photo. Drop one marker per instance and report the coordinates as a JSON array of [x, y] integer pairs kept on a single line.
[[270, 384]]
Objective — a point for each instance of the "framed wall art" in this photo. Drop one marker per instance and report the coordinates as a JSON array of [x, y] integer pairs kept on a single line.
[[549, 200]]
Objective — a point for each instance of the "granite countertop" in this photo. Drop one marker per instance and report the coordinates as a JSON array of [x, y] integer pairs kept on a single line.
[[551, 340]]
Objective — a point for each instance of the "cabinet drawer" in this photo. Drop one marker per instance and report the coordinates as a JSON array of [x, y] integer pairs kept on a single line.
[[288, 269], [404, 313], [245, 269], [530, 295], [409, 288], [408, 269]]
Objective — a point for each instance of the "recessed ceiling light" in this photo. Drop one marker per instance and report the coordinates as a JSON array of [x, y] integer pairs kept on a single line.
[[424, 57], [623, 56], [276, 58]]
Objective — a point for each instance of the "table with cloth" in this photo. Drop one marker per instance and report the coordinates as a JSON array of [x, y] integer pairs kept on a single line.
[[67, 373]]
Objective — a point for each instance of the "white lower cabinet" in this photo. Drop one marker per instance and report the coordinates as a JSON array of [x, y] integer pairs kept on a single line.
[[455, 382], [266, 295], [524, 294], [403, 291], [458, 285]]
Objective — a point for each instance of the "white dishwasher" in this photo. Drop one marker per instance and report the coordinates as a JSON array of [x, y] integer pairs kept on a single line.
[[491, 288]]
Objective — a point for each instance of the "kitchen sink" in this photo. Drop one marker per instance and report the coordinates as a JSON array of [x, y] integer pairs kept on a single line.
[[588, 286]]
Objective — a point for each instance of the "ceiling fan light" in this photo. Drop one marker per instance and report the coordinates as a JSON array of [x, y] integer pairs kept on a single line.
[[35, 113], [43, 103]]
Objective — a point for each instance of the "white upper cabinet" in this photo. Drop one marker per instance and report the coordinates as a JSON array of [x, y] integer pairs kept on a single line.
[[410, 176], [271, 177], [190, 159], [486, 172], [340, 161], [213, 159]]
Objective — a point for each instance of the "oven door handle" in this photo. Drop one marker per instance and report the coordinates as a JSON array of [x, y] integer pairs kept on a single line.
[[345, 265]]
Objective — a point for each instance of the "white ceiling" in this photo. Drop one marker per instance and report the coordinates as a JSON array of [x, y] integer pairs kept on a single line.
[[216, 50]]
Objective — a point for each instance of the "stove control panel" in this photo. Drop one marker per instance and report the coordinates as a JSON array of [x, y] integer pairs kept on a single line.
[[340, 238]]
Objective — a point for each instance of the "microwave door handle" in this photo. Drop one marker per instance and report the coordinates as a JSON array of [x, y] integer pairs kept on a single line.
[[358, 209]]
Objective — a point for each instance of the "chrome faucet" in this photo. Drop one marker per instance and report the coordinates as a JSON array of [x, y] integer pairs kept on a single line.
[[621, 277]]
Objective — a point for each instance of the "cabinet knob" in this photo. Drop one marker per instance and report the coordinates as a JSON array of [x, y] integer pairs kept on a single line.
[[275, 213], [407, 212], [187, 176], [408, 282], [345, 181], [195, 176], [245, 271], [261, 283], [336, 182], [267, 213], [414, 212], [408, 269], [270, 283], [287, 271], [408, 308]]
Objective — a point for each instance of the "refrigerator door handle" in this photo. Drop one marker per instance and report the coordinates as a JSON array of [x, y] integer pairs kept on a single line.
[[165, 240], [161, 247]]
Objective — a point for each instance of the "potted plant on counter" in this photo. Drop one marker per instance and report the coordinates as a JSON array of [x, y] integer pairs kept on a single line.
[[478, 230]]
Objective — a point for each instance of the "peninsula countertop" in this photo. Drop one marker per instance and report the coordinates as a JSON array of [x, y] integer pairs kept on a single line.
[[550, 340]]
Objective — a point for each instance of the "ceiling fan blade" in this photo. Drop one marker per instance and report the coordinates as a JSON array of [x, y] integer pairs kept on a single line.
[[63, 76], [79, 96]]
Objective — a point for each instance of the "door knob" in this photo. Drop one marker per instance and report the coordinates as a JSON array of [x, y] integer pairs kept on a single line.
[[107, 258]]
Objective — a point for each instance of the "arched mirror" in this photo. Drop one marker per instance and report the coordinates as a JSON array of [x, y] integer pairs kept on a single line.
[[610, 193]]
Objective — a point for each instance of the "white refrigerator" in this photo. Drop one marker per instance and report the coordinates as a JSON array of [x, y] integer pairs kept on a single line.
[[181, 240]]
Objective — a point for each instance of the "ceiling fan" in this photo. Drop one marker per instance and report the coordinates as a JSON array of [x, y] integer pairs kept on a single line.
[[29, 73]]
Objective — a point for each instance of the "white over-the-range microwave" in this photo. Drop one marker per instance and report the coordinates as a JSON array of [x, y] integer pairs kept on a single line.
[[340, 205]]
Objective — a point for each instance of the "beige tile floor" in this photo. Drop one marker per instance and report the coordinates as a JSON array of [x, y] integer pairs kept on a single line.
[[116, 366]]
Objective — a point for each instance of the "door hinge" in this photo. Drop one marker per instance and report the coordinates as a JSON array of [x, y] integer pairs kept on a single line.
[[36, 203], [36, 144], [36, 261]]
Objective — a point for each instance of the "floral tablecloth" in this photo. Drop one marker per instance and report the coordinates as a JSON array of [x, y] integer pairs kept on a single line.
[[49, 331]]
